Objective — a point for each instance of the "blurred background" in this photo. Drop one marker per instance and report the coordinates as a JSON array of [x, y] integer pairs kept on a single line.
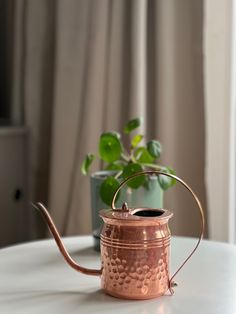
[[72, 69]]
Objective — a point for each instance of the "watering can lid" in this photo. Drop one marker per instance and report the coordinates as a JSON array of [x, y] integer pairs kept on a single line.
[[136, 214]]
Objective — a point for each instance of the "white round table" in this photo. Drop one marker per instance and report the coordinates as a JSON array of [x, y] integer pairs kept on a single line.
[[35, 279]]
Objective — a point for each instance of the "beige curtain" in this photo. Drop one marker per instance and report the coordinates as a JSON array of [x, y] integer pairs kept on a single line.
[[91, 65]]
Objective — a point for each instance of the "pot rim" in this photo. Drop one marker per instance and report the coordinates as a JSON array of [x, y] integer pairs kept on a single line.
[[100, 174]]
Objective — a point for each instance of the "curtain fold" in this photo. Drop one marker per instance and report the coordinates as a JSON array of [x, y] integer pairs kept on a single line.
[[90, 66], [180, 105]]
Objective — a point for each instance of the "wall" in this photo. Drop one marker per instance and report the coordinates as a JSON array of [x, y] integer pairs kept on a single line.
[[14, 207]]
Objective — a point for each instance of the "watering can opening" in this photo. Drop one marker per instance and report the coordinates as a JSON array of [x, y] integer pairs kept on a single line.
[[149, 213]]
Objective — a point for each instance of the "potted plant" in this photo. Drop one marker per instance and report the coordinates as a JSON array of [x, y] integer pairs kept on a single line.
[[119, 163]]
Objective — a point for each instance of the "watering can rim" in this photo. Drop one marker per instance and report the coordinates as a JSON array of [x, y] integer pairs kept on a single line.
[[132, 214]]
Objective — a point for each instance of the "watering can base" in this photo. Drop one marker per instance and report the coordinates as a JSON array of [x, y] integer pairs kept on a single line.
[[126, 297]]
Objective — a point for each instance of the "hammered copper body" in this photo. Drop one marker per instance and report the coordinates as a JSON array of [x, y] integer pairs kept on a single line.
[[135, 247], [135, 253]]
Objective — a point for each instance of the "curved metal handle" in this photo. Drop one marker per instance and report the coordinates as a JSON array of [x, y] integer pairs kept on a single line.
[[55, 233], [156, 172]]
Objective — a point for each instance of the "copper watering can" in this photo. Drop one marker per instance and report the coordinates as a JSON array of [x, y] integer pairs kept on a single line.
[[135, 245]]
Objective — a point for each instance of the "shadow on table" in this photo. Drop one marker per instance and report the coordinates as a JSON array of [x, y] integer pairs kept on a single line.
[[97, 296]]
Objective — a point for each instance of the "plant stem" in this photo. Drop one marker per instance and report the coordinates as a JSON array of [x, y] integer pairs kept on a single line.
[[118, 174], [126, 158], [157, 167]]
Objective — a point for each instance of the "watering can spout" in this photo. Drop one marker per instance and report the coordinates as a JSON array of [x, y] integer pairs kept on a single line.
[[64, 252]]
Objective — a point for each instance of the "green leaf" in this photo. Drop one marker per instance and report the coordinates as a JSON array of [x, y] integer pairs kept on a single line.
[[146, 183], [136, 140], [107, 190], [165, 181], [132, 124], [154, 148], [116, 134], [87, 163], [110, 147], [142, 155], [114, 166], [129, 170]]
